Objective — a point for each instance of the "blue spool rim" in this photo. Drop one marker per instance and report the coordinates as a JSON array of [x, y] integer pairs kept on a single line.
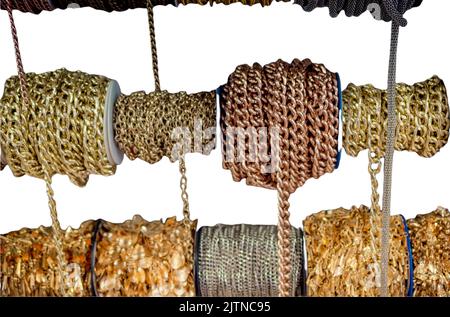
[[410, 291], [339, 150]]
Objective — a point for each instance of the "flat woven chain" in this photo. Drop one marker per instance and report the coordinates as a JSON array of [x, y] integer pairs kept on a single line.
[[298, 104], [241, 261], [430, 237], [145, 123], [423, 118], [341, 258], [63, 126]]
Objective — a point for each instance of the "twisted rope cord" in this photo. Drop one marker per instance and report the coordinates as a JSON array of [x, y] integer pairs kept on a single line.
[[23, 109], [151, 24], [33, 6], [298, 103], [241, 261]]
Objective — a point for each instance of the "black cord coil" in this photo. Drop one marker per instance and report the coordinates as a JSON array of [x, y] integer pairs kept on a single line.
[[358, 7]]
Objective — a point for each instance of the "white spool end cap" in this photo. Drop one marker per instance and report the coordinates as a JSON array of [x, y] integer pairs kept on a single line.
[[115, 155]]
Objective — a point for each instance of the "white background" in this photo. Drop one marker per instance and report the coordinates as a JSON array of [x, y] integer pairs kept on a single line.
[[199, 47]]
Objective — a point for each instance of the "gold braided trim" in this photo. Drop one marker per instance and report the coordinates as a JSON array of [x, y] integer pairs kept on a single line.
[[62, 126], [136, 258], [423, 121], [341, 259], [430, 237], [149, 126]]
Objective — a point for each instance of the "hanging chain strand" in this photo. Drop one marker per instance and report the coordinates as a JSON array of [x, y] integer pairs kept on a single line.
[[26, 102], [181, 159], [183, 187], [389, 158], [151, 25], [375, 166]]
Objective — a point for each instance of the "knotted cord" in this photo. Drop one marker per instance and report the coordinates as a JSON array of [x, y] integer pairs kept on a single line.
[[285, 116], [241, 261]]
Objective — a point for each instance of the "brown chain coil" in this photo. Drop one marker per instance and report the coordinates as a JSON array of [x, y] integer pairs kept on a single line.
[[430, 237], [33, 6], [63, 124], [145, 123], [297, 105], [423, 120], [136, 258], [341, 256], [241, 261]]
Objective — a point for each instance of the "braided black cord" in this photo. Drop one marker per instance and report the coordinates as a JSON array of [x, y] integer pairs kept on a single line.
[[390, 10]]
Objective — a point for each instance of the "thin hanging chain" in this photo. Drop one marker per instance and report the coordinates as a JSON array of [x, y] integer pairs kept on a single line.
[[181, 159], [389, 158], [374, 167], [183, 187], [151, 25], [57, 231]]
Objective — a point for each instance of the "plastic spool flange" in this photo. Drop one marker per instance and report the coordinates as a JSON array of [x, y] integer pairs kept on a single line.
[[115, 155]]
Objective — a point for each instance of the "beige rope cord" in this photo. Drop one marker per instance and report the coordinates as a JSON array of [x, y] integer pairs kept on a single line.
[[293, 110], [136, 258], [341, 257], [145, 124], [241, 261], [430, 236], [423, 120]]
